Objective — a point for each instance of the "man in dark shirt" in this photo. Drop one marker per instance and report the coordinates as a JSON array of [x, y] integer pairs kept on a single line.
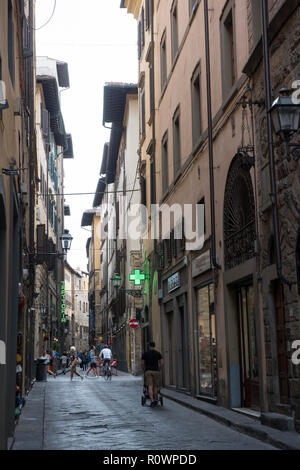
[[152, 362]]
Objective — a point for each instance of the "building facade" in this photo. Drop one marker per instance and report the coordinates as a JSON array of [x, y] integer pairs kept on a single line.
[[17, 156], [53, 145], [227, 317]]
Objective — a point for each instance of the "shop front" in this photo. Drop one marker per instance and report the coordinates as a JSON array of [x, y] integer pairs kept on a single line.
[[175, 331], [204, 327]]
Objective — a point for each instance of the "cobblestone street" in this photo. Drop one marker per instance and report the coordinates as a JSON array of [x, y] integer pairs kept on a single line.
[[99, 415]]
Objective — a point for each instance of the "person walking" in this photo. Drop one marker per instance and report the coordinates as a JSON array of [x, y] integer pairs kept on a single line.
[[74, 362], [152, 362], [85, 361], [92, 364], [49, 362], [64, 362]]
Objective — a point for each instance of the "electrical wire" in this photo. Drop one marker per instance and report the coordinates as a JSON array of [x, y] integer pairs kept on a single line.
[[85, 194], [54, 8]]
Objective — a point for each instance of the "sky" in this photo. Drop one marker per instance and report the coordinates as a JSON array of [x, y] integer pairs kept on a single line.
[[98, 41]]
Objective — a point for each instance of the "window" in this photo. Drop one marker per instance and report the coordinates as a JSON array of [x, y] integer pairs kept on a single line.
[[147, 14], [207, 344], [196, 105], [10, 43], [228, 49], [142, 27], [256, 21], [201, 203], [192, 6], [143, 114], [153, 181], [165, 163], [176, 142], [163, 61], [139, 40], [174, 29]]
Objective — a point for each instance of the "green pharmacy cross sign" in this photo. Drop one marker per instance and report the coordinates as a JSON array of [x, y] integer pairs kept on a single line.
[[137, 277]]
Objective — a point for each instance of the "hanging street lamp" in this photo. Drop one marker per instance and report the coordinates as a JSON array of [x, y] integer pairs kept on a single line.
[[66, 241], [116, 280], [285, 115]]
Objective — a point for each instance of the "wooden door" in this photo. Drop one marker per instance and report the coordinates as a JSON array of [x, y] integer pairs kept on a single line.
[[281, 344]]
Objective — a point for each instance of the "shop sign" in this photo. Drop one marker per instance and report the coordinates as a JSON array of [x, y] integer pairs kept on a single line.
[[201, 264], [174, 282], [63, 302]]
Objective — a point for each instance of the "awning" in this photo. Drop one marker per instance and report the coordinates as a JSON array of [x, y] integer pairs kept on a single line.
[[68, 153], [104, 159], [87, 218], [99, 192], [88, 246], [113, 152], [52, 104], [115, 100]]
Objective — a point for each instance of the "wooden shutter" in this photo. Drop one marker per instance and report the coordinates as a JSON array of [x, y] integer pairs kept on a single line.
[[41, 245]]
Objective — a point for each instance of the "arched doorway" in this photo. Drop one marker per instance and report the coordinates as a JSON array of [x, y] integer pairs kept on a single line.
[[239, 257], [239, 214]]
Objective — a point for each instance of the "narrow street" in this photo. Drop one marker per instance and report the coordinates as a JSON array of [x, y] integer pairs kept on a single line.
[[100, 415]]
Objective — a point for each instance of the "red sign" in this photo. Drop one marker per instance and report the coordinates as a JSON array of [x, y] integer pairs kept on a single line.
[[134, 324]]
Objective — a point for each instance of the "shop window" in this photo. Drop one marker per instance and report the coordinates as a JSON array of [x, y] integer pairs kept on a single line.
[[207, 345]]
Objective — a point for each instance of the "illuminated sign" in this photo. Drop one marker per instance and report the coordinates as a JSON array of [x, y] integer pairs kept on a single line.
[[63, 302], [137, 277]]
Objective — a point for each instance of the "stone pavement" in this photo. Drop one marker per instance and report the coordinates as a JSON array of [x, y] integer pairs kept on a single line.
[[99, 415], [287, 440]]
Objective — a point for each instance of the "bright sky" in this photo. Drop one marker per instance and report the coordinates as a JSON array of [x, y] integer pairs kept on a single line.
[[98, 41]]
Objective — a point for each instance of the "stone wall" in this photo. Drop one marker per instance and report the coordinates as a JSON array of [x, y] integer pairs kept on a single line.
[[285, 69]]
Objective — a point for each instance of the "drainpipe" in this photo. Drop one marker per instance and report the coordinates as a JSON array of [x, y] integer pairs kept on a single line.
[[210, 141], [152, 73], [266, 53]]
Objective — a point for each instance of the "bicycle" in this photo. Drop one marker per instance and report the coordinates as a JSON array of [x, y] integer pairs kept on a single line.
[[107, 372]]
